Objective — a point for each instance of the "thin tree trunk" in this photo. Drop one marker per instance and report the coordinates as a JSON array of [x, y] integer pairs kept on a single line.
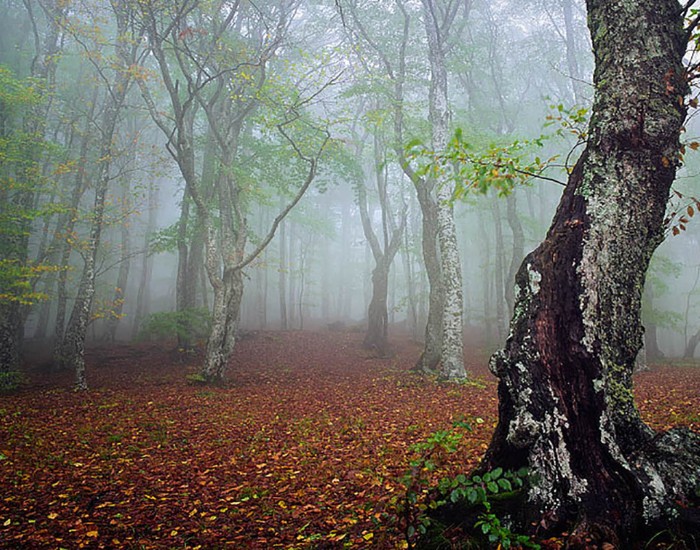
[[143, 294], [518, 249], [73, 350], [452, 347], [498, 268], [67, 235], [283, 275], [115, 313]]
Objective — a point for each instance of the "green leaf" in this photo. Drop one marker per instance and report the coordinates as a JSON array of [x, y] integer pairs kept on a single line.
[[504, 484]]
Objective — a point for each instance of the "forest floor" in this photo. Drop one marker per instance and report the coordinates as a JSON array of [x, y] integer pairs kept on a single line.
[[305, 447]]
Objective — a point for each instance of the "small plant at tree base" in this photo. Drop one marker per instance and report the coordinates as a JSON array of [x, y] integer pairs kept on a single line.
[[475, 491], [10, 381]]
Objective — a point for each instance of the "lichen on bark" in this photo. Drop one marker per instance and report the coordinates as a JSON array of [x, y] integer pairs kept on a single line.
[[566, 404]]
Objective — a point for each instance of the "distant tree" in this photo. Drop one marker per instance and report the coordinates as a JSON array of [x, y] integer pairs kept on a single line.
[[386, 53], [383, 246], [566, 407], [25, 105]]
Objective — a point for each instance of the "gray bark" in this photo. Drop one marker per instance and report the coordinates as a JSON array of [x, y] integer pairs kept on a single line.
[[566, 407], [452, 348]]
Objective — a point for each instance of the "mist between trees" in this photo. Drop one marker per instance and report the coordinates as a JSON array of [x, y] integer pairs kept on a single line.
[[189, 170]]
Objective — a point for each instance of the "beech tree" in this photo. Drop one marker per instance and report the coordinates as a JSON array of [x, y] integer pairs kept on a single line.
[[566, 406], [384, 251], [222, 54]]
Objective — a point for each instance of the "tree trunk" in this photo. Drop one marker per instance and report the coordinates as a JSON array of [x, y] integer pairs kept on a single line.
[[518, 249], [225, 317], [115, 313], [283, 276], [73, 348], [21, 200], [651, 341], [692, 344], [499, 281], [67, 229], [430, 356], [143, 294], [566, 408], [451, 351], [572, 53]]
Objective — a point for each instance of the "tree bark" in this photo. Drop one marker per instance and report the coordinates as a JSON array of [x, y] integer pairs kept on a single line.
[[566, 408], [452, 348]]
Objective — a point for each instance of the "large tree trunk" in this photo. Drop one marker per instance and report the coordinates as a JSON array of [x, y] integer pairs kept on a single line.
[[566, 408]]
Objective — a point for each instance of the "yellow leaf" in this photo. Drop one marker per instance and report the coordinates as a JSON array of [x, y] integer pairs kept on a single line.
[[92, 533], [368, 536], [52, 515], [7, 522]]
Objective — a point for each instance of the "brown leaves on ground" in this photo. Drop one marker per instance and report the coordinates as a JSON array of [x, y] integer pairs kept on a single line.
[[305, 448]]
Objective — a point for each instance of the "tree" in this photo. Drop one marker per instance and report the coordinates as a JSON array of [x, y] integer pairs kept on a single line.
[[388, 50], [222, 54], [128, 36], [24, 114], [566, 407], [438, 18], [376, 336]]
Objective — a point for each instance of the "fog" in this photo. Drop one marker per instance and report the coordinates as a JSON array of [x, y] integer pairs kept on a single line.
[[517, 71]]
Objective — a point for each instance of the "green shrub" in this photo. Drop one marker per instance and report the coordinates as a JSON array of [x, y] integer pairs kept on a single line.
[[192, 324]]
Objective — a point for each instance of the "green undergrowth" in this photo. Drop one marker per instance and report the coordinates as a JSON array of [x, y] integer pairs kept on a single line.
[[426, 506]]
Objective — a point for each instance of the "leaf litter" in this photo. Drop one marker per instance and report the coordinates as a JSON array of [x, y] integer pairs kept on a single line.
[[305, 447]]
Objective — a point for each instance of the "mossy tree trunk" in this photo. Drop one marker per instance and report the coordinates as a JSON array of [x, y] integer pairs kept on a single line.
[[566, 408]]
